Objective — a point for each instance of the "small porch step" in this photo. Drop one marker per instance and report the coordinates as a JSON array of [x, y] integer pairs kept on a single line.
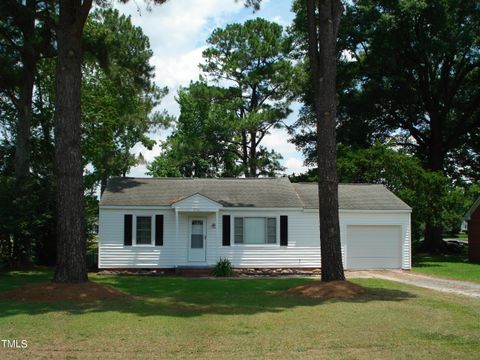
[[193, 270]]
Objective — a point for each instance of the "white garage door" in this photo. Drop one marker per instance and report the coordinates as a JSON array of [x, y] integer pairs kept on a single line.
[[373, 247]]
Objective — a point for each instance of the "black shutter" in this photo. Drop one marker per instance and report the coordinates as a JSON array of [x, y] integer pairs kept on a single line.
[[283, 230], [158, 230], [127, 230], [226, 230]]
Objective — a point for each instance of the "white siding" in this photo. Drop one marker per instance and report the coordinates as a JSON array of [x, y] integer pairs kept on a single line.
[[303, 248], [197, 202], [112, 252]]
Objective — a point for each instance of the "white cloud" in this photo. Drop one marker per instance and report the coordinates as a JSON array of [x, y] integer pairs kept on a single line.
[[278, 140], [179, 25], [149, 155], [138, 171], [295, 165], [173, 70], [279, 20], [292, 159]]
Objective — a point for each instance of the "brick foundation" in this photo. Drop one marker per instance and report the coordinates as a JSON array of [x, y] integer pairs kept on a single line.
[[192, 272]]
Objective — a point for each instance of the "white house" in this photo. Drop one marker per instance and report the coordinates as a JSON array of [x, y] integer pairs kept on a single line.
[[262, 222]]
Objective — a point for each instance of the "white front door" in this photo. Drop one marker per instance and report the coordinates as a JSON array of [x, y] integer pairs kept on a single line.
[[197, 239]]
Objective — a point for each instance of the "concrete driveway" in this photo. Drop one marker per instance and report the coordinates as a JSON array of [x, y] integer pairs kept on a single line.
[[465, 288]]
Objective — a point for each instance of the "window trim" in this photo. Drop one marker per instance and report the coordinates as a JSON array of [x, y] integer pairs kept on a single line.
[[152, 230], [277, 231]]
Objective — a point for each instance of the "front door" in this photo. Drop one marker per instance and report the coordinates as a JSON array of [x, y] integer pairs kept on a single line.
[[197, 239]]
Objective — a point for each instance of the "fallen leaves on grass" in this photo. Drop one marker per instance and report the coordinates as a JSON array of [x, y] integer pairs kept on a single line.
[[50, 292], [329, 290]]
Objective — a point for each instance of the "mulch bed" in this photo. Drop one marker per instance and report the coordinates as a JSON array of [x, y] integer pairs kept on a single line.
[[51, 292], [343, 290]]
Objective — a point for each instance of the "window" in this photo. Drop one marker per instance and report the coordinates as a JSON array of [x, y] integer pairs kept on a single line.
[[144, 230], [197, 234], [271, 230], [255, 230], [238, 230]]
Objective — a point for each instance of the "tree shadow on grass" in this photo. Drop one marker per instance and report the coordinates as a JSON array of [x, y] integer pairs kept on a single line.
[[14, 279], [425, 260], [184, 298]]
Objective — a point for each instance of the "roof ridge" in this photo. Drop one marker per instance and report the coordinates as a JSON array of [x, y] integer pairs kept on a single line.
[[198, 179], [316, 183]]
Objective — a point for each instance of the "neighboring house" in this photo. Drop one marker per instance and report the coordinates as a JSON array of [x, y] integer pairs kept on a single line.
[[473, 228], [262, 222]]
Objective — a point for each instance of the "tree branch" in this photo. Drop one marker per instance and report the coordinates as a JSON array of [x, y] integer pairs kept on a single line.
[[84, 11]]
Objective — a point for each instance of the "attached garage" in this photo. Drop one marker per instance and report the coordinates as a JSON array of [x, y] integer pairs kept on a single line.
[[373, 247]]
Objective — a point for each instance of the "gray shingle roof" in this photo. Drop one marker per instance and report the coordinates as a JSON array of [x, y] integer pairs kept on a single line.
[[354, 197], [263, 192], [260, 192]]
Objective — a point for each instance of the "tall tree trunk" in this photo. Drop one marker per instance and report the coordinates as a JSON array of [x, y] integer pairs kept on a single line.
[[71, 236], [22, 243], [253, 154], [252, 157], [103, 182], [22, 14], [245, 154], [22, 145], [433, 240], [322, 35]]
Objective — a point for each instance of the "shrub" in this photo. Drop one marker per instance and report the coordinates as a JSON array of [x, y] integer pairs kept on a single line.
[[223, 268]]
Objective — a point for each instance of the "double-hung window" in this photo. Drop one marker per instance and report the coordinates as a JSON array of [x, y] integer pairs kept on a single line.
[[143, 230], [255, 230]]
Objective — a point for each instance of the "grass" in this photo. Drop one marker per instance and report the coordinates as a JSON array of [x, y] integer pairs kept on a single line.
[[460, 236], [241, 318], [447, 266]]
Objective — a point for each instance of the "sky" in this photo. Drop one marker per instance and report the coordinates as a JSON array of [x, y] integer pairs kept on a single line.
[[178, 31]]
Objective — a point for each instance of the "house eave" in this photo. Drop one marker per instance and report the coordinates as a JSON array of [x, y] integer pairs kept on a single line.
[[472, 209], [233, 208], [177, 204]]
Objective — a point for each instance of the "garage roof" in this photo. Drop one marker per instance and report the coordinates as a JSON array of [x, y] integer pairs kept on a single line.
[[354, 197], [248, 192], [472, 209]]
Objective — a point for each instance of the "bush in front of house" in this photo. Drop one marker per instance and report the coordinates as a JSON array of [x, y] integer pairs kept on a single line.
[[223, 268]]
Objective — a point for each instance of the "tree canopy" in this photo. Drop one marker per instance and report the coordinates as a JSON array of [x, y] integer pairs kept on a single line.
[[409, 70]]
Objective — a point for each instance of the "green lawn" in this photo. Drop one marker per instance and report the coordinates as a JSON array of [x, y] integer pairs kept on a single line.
[[460, 236], [240, 318], [447, 266]]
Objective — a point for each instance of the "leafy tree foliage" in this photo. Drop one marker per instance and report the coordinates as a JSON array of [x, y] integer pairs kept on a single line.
[[26, 36], [252, 60], [205, 140], [422, 62], [199, 145], [119, 96]]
